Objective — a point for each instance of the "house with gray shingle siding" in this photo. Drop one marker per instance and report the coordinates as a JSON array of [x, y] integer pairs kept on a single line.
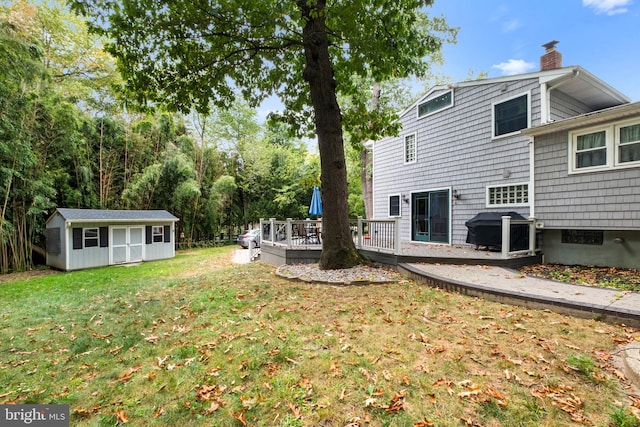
[[587, 187], [86, 238], [462, 151]]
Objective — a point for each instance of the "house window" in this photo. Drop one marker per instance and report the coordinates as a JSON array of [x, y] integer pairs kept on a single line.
[[158, 234], [91, 237], [394, 205], [410, 148], [511, 116], [508, 195], [591, 149], [628, 142], [606, 147], [435, 104]]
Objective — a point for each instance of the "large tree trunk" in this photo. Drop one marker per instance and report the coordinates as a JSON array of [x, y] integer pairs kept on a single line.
[[338, 249]]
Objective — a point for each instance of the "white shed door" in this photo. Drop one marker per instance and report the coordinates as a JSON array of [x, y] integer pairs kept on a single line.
[[126, 244]]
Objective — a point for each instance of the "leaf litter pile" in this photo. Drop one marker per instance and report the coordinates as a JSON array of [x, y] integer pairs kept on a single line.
[[198, 341], [619, 278]]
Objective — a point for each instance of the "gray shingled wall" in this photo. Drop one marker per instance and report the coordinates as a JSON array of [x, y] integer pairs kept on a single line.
[[455, 150], [605, 200]]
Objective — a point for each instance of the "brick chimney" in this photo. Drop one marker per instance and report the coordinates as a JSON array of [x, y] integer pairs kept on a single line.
[[552, 58]]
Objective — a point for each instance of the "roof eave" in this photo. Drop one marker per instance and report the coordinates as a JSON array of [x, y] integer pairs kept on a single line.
[[619, 112]]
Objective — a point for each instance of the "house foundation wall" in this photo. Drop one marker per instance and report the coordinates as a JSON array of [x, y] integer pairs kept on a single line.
[[620, 249]]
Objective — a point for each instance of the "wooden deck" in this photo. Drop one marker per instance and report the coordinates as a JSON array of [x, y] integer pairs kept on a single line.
[[409, 253], [299, 241]]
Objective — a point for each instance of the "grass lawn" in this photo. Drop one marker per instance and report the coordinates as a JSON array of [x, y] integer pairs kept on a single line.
[[196, 340]]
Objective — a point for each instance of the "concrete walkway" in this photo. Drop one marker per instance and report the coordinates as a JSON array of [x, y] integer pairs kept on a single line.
[[509, 286]]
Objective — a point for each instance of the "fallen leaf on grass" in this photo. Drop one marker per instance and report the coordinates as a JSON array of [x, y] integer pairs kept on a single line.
[[397, 402], [469, 422], [207, 392], [248, 402], [424, 423], [212, 408], [335, 369], [82, 412], [295, 410], [129, 373], [153, 339], [240, 417], [121, 417]]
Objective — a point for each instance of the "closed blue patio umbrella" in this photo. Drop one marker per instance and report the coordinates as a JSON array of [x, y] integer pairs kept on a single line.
[[316, 203]]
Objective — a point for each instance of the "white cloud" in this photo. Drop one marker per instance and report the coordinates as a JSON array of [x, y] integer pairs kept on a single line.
[[610, 7], [511, 25], [515, 66]]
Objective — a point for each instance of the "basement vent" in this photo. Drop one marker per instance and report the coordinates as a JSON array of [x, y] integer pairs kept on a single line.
[[583, 237]]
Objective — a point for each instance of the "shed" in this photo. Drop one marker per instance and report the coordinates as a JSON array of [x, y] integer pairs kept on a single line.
[[86, 238]]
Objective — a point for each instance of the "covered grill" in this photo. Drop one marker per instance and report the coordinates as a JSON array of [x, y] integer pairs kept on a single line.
[[485, 229]]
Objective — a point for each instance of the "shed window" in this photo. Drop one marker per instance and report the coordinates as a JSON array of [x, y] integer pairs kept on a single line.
[[158, 234], [91, 237]]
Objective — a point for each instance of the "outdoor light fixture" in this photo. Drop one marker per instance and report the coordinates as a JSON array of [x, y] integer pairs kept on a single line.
[[405, 198], [455, 194]]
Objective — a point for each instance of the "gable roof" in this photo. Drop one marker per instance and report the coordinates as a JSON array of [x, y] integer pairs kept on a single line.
[[575, 81], [104, 215], [593, 118]]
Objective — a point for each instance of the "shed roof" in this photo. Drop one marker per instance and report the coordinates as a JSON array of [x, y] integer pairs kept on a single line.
[[104, 215]]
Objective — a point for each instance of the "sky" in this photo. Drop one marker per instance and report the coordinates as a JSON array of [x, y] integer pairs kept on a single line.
[[502, 37]]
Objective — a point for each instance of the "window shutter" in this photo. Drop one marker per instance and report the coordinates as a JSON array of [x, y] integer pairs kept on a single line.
[[77, 238], [53, 241], [167, 234], [149, 234], [104, 237]]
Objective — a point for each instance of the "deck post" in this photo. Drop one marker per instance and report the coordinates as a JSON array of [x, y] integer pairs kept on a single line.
[[288, 230], [506, 236], [532, 235], [396, 236], [359, 238], [272, 230]]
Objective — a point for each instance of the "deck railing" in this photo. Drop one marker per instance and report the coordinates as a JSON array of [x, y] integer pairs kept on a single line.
[[373, 235], [377, 235], [507, 222]]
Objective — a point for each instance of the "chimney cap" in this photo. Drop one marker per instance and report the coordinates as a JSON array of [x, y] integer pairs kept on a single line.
[[551, 45]]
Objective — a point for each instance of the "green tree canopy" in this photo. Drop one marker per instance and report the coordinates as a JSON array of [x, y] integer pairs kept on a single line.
[[184, 53]]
